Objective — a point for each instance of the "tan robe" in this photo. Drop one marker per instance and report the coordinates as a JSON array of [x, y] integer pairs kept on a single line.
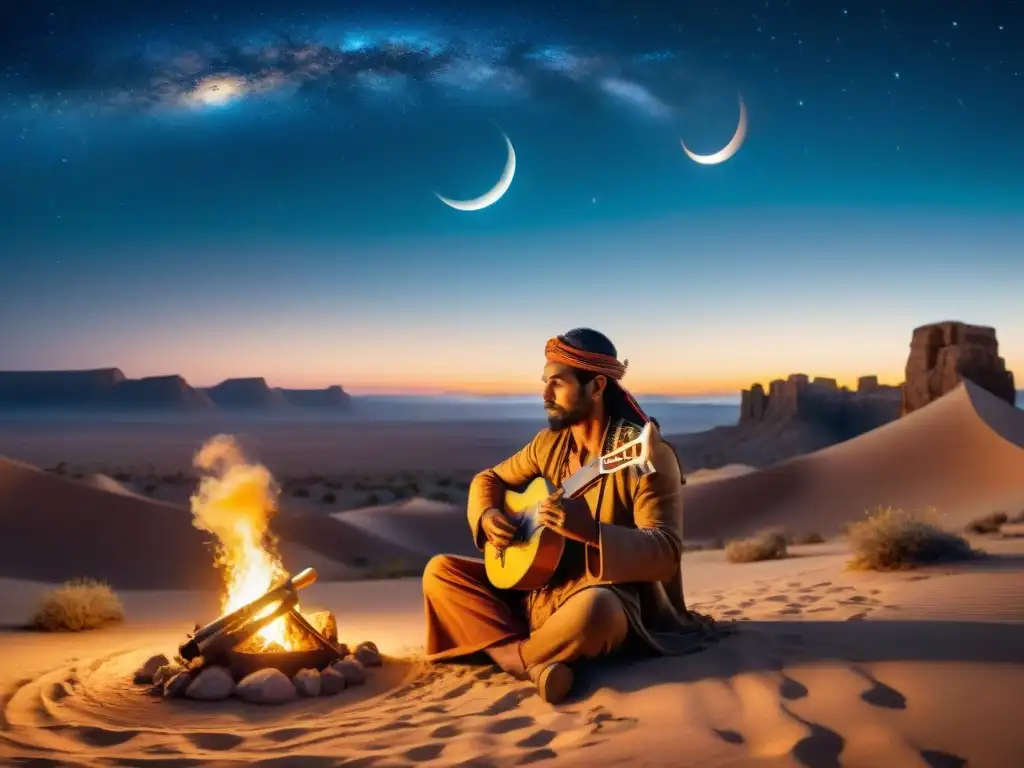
[[638, 557]]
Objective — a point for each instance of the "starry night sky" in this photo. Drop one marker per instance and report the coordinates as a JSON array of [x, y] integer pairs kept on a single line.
[[230, 189]]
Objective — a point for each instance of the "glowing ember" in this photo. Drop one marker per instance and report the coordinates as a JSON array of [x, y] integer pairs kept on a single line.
[[236, 502]]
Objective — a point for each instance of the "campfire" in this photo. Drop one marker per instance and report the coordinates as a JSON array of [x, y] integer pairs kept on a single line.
[[262, 647]]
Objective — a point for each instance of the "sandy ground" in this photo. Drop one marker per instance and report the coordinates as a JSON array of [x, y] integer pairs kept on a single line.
[[831, 667]]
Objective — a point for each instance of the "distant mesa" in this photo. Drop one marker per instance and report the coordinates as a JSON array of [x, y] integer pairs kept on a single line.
[[47, 389], [944, 354], [248, 393], [334, 397], [165, 391], [108, 389]]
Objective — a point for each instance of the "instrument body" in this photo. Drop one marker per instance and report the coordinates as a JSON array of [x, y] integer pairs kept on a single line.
[[531, 559]]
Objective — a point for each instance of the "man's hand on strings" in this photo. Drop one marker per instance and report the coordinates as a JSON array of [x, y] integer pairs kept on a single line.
[[569, 517]]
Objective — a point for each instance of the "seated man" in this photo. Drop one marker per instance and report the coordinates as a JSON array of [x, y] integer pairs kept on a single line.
[[620, 575]]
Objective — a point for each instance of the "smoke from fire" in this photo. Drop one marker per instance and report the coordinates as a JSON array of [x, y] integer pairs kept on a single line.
[[236, 502]]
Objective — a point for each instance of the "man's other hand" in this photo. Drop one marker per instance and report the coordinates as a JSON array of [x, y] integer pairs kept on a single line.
[[498, 529]]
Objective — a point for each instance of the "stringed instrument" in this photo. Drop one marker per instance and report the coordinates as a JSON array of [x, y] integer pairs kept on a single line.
[[530, 560]]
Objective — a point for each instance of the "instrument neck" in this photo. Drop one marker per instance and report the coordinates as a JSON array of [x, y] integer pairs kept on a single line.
[[581, 479]]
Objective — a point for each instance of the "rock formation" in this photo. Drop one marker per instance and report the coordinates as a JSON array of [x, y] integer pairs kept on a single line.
[[821, 402], [334, 398], [159, 392], [246, 394], [796, 415], [57, 389], [943, 354], [107, 389]]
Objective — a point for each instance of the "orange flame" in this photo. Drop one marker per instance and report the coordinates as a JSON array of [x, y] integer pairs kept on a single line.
[[235, 502]]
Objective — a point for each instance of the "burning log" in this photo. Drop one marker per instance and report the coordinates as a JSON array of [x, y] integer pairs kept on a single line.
[[230, 630]]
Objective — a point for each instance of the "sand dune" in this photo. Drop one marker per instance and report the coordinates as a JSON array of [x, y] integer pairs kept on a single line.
[[962, 455], [718, 473], [421, 525], [53, 528]]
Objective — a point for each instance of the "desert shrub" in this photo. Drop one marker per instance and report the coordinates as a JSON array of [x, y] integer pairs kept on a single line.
[[767, 545], [301, 493], [891, 539], [810, 538], [988, 524], [76, 605], [441, 496], [1018, 518], [328, 498]]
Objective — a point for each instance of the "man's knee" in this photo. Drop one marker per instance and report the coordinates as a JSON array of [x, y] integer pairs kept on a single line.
[[437, 574], [599, 613]]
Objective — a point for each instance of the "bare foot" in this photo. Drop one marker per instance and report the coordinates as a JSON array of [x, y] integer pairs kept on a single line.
[[507, 657]]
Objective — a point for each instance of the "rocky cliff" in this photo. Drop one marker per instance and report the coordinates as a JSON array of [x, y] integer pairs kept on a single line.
[[247, 394], [57, 389], [333, 398], [821, 402], [943, 354], [159, 392], [108, 389], [795, 415]]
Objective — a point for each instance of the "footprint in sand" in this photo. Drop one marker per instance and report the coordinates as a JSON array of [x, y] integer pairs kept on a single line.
[[509, 724], [537, 739], [445, 732], [424, 752]]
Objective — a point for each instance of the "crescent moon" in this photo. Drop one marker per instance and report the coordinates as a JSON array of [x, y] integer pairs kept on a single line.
[[729, 149], [494, 194]]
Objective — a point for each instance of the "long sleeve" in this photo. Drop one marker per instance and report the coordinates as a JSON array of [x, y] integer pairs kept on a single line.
[[651, 551], [488, 487]]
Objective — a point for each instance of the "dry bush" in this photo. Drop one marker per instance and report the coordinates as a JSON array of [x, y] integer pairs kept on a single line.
[[891, 539], [988, 524], [77, 605], [1018, 518], [767, 545]]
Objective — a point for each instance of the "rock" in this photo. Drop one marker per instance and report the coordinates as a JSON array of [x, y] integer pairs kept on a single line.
[[211, 684], [144, 674], [822, 404], [266, 686], [368, 644], [166, 672], [307, 682], [177, 686], [331, 682], [944, 354], [367, 656], [351, 669]]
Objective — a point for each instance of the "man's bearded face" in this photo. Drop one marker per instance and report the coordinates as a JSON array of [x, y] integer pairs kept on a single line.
[[566, 401]]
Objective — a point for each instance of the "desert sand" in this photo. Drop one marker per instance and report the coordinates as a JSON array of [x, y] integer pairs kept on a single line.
[[828, 667]]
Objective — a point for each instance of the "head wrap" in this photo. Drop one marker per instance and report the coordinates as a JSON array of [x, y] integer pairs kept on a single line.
[[558, 351]]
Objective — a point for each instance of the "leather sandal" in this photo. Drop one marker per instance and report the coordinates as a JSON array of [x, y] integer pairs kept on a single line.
[[553, 681]]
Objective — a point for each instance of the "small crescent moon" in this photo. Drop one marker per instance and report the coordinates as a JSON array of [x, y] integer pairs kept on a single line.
[[494, 194], [729, 149]]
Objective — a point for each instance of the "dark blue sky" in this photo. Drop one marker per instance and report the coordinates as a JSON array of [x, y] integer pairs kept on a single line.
[[222, 189]]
